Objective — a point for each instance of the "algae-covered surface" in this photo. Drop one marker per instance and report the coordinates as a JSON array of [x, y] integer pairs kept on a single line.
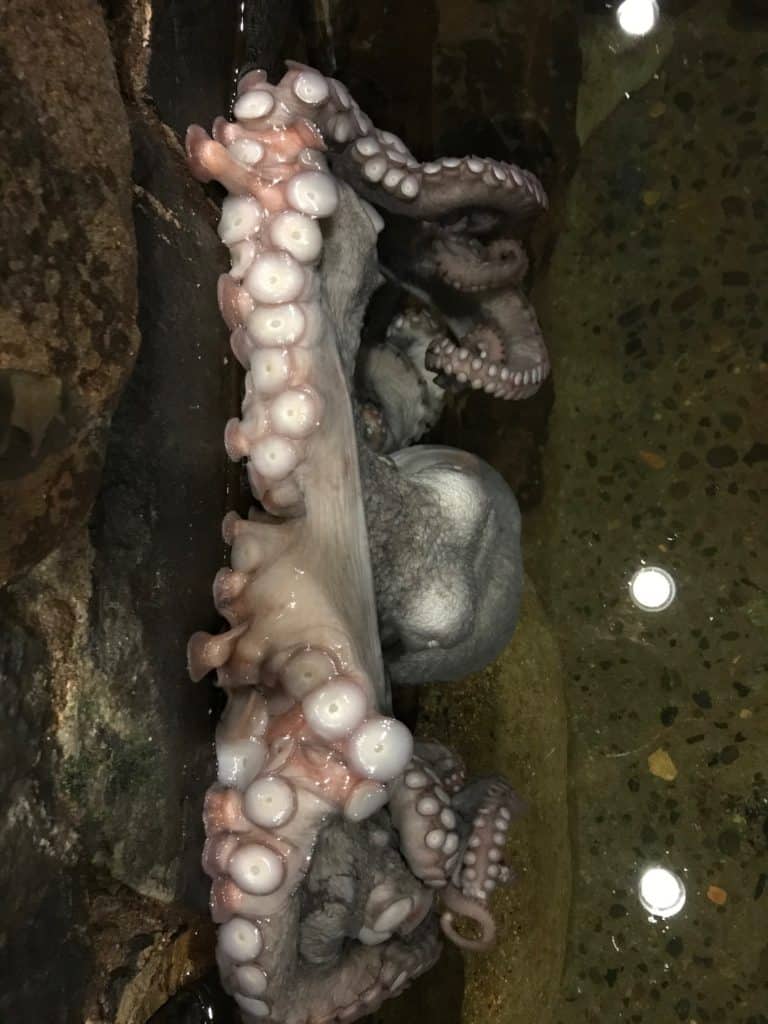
[[508, 719], [655, 307]]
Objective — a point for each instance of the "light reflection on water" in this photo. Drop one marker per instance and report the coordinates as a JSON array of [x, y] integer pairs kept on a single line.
[[661, 891], [637, 17]]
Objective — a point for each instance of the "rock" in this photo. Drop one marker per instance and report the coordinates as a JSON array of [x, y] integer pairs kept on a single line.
[[717, 895], [105, 745], [662, 766], [169, 962], [156, 541], [68, 284]]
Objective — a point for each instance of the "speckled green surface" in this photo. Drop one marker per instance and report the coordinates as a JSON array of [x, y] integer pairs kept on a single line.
[[655, 306]]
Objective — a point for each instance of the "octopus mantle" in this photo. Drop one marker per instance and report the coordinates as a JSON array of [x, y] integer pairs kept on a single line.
[[339, 848]]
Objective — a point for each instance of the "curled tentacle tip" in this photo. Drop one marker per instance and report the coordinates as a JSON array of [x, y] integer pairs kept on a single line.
[[483, 944], [457, 903]]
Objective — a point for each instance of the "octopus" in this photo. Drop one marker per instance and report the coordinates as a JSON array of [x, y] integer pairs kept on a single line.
[[341, 849]]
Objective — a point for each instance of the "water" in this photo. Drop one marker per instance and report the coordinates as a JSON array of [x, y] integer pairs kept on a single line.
[[648, 451]]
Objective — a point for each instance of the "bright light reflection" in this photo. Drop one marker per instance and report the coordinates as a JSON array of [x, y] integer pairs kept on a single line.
[[661, 892], [652, 588], [637, 17]]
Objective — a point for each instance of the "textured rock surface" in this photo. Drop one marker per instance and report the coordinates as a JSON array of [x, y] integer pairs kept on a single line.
[[105, 746], [67, 270], [164, 484], [67, 342]]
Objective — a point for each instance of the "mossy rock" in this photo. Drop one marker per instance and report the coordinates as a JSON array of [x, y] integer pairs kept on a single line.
[[508, 719]]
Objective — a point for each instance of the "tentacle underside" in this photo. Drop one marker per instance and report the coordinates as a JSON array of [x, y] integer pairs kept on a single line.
[[302, 738], [491, 805], [305, 741], [497, 345]]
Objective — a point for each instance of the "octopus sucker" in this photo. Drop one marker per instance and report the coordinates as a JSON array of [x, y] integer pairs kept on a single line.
[[458, 904], [334, 840]]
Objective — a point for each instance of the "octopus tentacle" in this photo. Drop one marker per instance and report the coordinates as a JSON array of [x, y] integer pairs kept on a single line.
[[304, 750], [302, 740], [458, 903], [455, 257], [421, 812], [378, 909], [381, 167], [468, 267], [396, 903], [449, 767], [480, 359], [434, 189], [481, 867]]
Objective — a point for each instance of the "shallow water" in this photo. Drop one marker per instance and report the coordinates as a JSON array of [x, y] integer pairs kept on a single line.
[[656, 306], [652, 448], [647, 449]]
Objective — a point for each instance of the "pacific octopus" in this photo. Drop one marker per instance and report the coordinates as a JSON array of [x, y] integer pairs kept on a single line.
[[339, 846]]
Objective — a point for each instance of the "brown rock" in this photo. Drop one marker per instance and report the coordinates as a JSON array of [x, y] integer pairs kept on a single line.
[[717, 895], [68, 276], [653, 460], [662, 766], [104, 744]]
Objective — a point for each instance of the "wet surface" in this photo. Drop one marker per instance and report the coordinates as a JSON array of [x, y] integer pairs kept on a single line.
[[655, 305], [648, 448], [643, 450], [510, 719]]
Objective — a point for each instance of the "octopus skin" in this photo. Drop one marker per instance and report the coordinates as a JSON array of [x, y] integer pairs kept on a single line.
[[339, 848], [454, 241], [448, 588]]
